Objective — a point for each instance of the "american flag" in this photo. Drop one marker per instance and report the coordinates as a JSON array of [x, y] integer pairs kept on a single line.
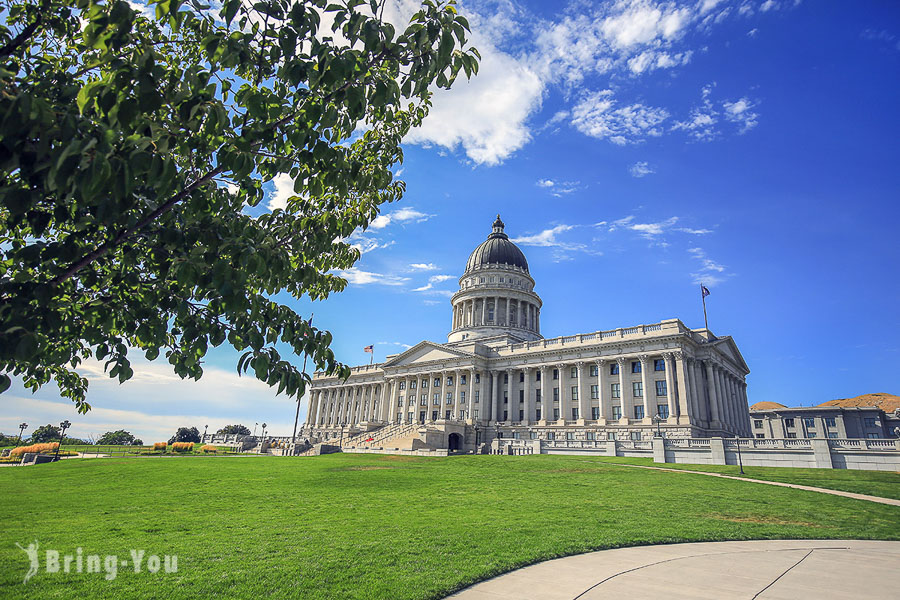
[[704, 290], [370, 349]]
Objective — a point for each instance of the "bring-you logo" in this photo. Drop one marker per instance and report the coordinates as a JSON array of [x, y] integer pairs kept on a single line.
[[106, 565]]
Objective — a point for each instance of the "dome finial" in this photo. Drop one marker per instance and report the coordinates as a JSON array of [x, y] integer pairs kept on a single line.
[[498, 225]]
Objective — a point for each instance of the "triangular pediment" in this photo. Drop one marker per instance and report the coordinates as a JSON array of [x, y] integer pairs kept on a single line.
[[427, 352], [726, 347]]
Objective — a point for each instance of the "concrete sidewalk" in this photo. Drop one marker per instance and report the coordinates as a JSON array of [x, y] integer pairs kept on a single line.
[[779, 569]]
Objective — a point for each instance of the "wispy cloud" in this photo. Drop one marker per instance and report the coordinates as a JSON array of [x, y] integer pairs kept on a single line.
[[558, 188], [641, 169], [433, 280], [710, 272], [598, 115], [423, 267], [702, 124], [402, 216], [356, 276]]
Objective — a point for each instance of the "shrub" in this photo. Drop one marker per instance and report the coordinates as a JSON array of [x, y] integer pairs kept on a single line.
[[207, 449], [160, 446], [182, 446], [37, 448]]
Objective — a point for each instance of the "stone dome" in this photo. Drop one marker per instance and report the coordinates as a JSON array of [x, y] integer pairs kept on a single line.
[[496, 250]]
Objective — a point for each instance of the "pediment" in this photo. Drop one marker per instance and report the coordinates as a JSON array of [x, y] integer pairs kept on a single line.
[[427, 352], [727, 348]]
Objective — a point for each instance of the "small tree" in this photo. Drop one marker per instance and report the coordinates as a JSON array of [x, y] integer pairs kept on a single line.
[[116, 438], [45, 434], [234, 430], [185, 434]]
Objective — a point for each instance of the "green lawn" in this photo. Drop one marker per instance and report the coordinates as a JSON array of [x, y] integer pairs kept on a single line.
[[366, 526], [875, 483]]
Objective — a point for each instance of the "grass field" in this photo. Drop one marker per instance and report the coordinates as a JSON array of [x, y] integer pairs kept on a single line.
[[365, 526], [875, 483]]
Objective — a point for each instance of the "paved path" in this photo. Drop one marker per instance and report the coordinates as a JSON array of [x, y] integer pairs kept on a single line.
[[764, 570], [879, 499]]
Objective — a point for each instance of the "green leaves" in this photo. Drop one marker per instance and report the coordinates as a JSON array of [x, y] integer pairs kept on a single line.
[[132, 148]]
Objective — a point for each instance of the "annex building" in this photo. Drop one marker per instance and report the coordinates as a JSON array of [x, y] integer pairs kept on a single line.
[[497, 376]]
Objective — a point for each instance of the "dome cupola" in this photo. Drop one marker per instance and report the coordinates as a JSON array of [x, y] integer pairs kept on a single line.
[[496, 250]]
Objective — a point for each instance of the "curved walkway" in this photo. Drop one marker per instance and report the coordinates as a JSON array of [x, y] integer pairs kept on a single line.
[[809, 488], [768, 569]]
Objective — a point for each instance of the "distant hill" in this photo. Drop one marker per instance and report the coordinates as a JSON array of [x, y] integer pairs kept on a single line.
[[886, 402]]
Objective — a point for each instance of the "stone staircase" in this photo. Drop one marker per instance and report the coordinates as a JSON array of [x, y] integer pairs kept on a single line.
[[396, 435]]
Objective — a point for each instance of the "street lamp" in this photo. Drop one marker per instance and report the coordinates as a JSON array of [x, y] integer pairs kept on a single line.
[[341, 443], [658, 419], [62, 432], [254, 429], [737, 441], [22, 428], [205, 427]]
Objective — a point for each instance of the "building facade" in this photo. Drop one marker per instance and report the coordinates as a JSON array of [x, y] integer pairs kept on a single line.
[[770, 420], [497, 376]]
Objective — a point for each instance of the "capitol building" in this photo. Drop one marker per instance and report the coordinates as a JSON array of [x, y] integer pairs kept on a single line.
[[497, 376]]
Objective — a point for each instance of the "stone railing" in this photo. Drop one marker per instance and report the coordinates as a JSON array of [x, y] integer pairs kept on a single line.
[[672, 327]]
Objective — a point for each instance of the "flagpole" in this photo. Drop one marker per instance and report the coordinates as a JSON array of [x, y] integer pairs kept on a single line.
[[297, 414], [703, 297]]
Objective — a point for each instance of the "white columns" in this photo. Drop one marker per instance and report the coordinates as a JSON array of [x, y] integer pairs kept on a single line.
[[484, 405], [671, 392], [546, 399], [470, 401], [496, 400], [584, 396], [454, 414], [602, 396], [512, 400], [387, 400], [622, 391], [443, 396], [649, 409], [529, 399], [715, 420], [484, 302], [564, 413]]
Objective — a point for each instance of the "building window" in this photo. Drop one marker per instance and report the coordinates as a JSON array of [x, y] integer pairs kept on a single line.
[[437, 382], [615, 391], [574, 373], [477, 377], [521, 415], [635, 366], [574, 392], [499, 435], [462, 414], [659, 364], [594, 370], [506, 378], [871, 422], [570, 435], [789, 422], [662, 410], [639, 411], [412, 385], [399, 417], [589, 436], [556, 414], [872, 436], [424, 400], [533, 435], [450, 380], [757, 423], [475, 399], [830, 422], [447, 415], [551, 436], [832, 434], [636, 436], [791, 435], [595, 392], [555, 374], [809, 421], [462, 380], [505, 415], [610, 436], [811, 434], [476, 413], [521, 395], [614, 369], [436, 399], [434, 415], [537, 414], [595, 412], [424, 384], [462, 396], [402, 385], [617, 412], [521, 376], [537, 375], [537, 394], [505, 397], [574, 414], [661, 388], [637, 389], [400, 401], [759, 436], [556, 394], [450, 397]]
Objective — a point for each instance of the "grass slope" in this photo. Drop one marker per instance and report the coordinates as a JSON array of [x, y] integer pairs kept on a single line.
[[875, 483], [364, 526]]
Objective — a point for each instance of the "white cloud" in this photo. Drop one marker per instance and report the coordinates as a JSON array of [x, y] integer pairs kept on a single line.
[[284, 189], [401, 215], [433, 280], [559, 188], [400, 344], [651, 230], [624, 221], [356, 276], [710, 273], [768, 5], [704, 118], [545, 183], [423, 267], [596, 115], [641, 169], [741, 112], [694, 231]]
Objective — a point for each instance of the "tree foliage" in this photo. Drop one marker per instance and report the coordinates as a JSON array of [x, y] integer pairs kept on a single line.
[[133, 151], [117, 438], [234, 430], [44, 434], [186, 434]]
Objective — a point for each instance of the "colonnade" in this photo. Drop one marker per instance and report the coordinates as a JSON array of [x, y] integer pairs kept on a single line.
[[486, 311], [705, 390]]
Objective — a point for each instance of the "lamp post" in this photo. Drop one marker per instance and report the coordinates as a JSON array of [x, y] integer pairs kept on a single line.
[[254, 429], [62, 432], [341, 443], [22, 428], [737, 441], [205, 427], [657, 419]]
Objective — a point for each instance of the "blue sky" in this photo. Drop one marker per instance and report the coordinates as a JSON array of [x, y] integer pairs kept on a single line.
[[634, 149]]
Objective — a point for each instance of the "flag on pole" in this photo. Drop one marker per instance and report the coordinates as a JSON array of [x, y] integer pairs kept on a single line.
[[370, 349], [704, 290]]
